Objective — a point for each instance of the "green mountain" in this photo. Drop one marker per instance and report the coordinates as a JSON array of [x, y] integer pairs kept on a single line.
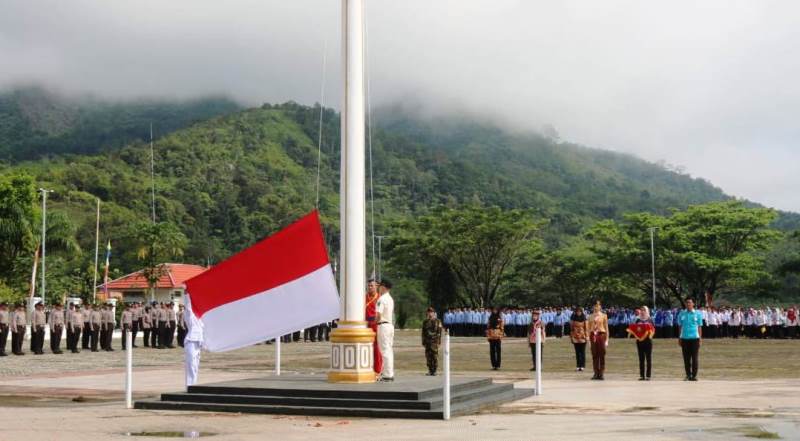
[[230, 180], [36, 122]]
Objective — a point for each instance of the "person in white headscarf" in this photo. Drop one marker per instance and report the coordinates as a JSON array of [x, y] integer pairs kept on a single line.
[[193, 343]]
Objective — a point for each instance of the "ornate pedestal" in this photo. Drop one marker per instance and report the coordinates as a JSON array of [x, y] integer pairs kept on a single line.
[[351, 353]]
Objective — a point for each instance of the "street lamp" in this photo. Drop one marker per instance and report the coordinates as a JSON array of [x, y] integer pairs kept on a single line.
[[653, 261], [44, 238]]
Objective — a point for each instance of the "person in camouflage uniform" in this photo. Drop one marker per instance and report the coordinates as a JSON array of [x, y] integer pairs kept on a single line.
[[431, 338]]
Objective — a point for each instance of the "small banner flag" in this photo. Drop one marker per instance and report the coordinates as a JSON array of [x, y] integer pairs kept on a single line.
[[641, 331], [277, 286]]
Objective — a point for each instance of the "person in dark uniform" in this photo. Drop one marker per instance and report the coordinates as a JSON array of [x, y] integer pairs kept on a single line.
[[95, 322], [494, 333], [76, 324], [431, 339], [4, 326], [147, 325], [136, 322]]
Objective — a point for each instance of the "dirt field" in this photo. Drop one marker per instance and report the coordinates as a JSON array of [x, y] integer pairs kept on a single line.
[[747, 389]]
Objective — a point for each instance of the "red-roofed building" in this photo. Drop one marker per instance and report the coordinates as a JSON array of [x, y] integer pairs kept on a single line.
[[170, 286]]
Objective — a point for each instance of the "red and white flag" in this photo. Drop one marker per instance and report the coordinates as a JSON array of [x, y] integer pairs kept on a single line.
[[277, 286]]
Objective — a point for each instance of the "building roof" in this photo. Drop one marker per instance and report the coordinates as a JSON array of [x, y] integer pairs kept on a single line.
[[174, 277]]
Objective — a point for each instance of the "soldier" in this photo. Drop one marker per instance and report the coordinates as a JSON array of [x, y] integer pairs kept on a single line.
[[146, 324], [103, 329], [431, 338], [109, 322], [127, 325], [3, 328], [95, 323], [18, 327], [56, 324], [163, 317], [38, 324], [86, 313], [75, 325], [136, 322], [172, 319], [181, 325]]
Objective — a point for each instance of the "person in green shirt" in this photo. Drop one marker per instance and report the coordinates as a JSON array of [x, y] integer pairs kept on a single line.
[[690, 322]]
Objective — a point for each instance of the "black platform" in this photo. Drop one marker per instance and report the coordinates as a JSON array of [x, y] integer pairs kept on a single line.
[[406, 397]]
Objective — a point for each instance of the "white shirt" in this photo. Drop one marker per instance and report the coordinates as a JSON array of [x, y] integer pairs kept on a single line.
[[385, 307], [194, 327]]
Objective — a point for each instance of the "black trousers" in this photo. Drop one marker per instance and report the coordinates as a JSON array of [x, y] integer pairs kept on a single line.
[[75, 337], [645, 350], [87, 334], [559, 331], [37, 340], [580, 354], [134, 332], [16, 340], [691, 355], [146, 336], [3, 338], [533, 353], [94, 338], [162, 334], [103, 337], [171, 333], [69, 338], [494, 352], [55, 339], [181, 336], [154, 335]]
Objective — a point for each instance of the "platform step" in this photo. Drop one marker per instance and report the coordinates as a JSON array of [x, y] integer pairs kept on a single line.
[[432, 402]]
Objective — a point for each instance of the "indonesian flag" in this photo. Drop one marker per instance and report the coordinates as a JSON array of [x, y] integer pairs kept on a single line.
[[641, 331], [277, 286]]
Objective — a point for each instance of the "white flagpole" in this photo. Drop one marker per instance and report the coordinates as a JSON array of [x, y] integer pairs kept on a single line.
[[277, 356], [96, 251], [128, 370], [446, 398], [538, 390]]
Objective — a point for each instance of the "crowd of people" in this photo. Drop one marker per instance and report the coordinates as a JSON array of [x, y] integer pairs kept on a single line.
[[596, 327], [90, 326], [723, 322]]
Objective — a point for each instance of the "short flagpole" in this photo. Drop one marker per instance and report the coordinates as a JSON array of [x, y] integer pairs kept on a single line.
[[538, 390], [128, 370], [446, 389], [277, 356]]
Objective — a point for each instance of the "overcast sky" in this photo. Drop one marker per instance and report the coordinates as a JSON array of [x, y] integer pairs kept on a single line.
[[713, 86]]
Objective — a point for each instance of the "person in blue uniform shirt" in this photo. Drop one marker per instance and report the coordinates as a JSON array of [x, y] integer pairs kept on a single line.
[[690, 322]]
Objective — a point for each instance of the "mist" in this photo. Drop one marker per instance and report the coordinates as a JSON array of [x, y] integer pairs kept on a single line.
[[710, 86]]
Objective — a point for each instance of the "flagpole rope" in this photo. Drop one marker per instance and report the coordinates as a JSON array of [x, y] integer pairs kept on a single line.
[[321, 113], [369, 140]]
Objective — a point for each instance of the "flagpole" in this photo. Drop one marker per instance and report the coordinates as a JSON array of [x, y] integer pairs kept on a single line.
[[96, 252], [351, 349]]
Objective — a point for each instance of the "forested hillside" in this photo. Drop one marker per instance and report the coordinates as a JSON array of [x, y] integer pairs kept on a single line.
[[35, 122], [230, 180]]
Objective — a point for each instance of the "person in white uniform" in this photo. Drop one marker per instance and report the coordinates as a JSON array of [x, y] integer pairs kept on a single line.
[[385, 317], [193, 342]]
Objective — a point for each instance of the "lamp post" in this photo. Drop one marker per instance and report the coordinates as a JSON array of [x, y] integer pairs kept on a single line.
[[653, 261], [44, 238]]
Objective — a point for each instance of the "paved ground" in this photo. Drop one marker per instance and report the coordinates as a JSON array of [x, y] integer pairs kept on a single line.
[[38, 392]]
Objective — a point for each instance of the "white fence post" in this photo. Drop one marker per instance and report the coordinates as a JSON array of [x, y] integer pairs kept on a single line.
[[538, 390], [277, 355], [446, 389], [128, 369]]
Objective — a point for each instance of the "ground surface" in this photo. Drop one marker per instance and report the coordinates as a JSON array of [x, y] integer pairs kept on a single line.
[[748, 389]]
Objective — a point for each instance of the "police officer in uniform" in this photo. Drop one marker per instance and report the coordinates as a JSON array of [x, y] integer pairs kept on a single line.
[[127, 325], [18, 326], [75, 325], [163, 317], [3, 328], [147, 325], [172, 323], [181, 325], [431, 339], [136, 322], [38, 324], [95, 322], [86, 313], [56, 324], [155, 331]]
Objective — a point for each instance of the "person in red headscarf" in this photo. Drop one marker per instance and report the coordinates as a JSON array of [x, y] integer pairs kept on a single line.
[[792, 323], [372, 299]]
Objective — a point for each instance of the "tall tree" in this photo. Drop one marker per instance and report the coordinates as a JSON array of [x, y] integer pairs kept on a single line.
[[703, 250], [157, 243], [478, 245]]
